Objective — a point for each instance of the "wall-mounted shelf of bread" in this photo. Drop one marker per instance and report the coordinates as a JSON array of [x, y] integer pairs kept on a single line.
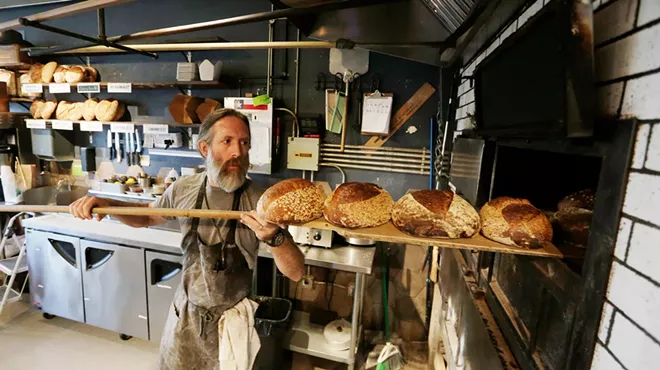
[[115, 126], [127, 87]]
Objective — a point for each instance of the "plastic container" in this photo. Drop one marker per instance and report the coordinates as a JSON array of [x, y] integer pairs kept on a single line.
[[272, 320]]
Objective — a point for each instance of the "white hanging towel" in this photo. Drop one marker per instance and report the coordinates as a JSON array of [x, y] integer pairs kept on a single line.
[[239, 341]]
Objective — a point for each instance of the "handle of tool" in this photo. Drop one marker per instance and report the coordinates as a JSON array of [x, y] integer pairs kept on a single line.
[[344, 119], [434, 264], [131, 211]]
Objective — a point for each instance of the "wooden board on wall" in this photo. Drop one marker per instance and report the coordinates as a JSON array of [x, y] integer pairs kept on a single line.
[[404, 113]]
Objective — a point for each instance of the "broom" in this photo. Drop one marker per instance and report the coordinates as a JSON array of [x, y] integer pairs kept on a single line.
[[390, 357]]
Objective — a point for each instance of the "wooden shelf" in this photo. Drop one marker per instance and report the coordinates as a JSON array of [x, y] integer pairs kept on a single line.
[[389, 233], [136, 123], [164, 84], [21, 99]]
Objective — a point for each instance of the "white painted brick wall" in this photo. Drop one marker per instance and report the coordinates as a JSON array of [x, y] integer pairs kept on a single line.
[[603, 360], [466, 98], [622, 238], [639, 154], [653, 155], [649, 10], [637, 297], [614, 20], [644, 253], [643, 198], [641, 97], [632, 347], [634, 54], [609, 98], [605, 320]]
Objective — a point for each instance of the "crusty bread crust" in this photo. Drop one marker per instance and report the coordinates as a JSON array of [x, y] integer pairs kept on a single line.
[[435, 214], [357, 205], [291, 201], [515, 222]]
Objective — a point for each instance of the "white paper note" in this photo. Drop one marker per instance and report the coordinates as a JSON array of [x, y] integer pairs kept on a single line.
[[376, 115], [260, 149], [59, 88], [62, 125], [93, 126]]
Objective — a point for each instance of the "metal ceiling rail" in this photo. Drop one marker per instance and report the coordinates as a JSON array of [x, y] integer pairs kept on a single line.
[[63, 11]]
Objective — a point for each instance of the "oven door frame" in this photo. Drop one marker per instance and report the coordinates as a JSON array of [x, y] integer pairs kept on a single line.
[[581, 295]]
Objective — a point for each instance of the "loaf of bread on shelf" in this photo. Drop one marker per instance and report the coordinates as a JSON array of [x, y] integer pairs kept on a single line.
[[63, 109], [9, 78], [35, 73], [25, 79], [515, 222], [35, 112], [572, 221], [48, 109], [358, 204], [89, 109], [91, 74], [47, 72], [121, 110], [76, 111], [60, 74], [435, 214], [291, 201], [106, 110], [75, 74]]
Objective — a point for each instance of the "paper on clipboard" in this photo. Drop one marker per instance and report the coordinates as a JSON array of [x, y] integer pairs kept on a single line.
[[376, 113]]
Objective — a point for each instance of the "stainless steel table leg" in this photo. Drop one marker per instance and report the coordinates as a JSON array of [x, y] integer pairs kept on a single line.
[[355, 321]]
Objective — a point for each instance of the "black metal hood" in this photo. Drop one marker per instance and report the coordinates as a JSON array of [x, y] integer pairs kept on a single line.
[[431, 25]]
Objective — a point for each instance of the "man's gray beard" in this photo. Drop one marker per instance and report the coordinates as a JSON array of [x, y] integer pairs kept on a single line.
[[228, 182]]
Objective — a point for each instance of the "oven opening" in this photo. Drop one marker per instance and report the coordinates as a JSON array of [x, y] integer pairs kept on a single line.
[[544, 178]]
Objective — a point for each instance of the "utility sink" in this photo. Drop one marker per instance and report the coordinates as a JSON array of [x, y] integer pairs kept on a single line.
[[50, 195]]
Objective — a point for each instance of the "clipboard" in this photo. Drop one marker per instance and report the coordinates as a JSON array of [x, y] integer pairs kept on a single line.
[[376, 113]]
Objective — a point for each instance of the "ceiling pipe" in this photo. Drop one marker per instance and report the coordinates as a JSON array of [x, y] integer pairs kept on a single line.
[[249, 18]]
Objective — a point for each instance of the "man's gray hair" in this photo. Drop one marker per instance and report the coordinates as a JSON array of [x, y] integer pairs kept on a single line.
[[206, 129]]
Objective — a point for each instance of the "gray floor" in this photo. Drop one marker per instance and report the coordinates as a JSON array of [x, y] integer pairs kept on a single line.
[[28, 341]]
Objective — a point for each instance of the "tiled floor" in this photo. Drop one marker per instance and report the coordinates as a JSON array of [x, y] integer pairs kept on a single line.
[[30, 342]]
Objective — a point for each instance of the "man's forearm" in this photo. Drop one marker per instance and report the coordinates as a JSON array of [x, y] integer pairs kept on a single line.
[[134, 221], [289, 259]]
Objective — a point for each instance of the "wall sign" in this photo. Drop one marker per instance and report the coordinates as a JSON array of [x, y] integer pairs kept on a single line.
[[89, 87]]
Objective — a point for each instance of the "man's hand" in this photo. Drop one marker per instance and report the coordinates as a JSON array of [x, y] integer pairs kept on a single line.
[[82, 208], [265, 230]]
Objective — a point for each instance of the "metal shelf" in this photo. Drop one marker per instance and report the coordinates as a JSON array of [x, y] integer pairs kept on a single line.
[[13, 295], [174, 153], [305, 337], [163, 84], [7, 265], [136, 123]]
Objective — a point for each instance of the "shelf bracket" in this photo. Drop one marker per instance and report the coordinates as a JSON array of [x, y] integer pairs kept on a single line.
[[98, 41]]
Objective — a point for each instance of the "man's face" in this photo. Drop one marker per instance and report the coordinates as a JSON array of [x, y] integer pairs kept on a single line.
[[227, 158]]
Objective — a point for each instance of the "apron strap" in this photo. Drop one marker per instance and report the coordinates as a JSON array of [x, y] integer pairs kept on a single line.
[[198, 204], [231, 239]]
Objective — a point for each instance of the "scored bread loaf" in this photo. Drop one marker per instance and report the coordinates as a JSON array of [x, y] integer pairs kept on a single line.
[[435, 214], [76, 112], [74, 74], [121, 109], [106, 110], [48, 109], [291, 201], [91, 74], [572, 221], [63, 109], [89, 109], [60, 74], [35, 112], [515, 222], [47, 72], [35, 73], [9, 78], [358, 204]]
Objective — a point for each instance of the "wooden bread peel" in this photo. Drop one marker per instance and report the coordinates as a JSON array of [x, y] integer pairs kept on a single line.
[[383, 233]]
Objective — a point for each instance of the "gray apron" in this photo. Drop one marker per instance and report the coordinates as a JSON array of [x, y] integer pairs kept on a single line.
[[215, 278]]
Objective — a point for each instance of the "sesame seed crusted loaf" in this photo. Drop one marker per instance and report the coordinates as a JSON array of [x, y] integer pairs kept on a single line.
[[435, 214], [515, 222], [358, 204], [582, 199], [291, 201]]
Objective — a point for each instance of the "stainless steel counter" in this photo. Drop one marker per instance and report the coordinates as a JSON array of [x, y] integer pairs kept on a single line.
[[343, 258], [109, 231]]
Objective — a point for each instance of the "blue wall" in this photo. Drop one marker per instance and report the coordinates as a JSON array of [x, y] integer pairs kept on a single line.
[[399, 76]]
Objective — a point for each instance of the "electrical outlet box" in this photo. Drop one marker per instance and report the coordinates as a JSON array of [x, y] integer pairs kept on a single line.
[[303, 153]]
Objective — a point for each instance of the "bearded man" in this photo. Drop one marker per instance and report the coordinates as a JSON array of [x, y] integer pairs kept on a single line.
[[218, 254]]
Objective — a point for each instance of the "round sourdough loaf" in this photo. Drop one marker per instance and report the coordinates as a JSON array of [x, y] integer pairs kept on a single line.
[[47, 72], [89, 109], [583, 199], [572, 221], [291, 201], [106, 110], [358, 204], [35, 73], [74, 74], [435, 214], [515, 222], [48, 109], [60, 74], [35, 110]]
